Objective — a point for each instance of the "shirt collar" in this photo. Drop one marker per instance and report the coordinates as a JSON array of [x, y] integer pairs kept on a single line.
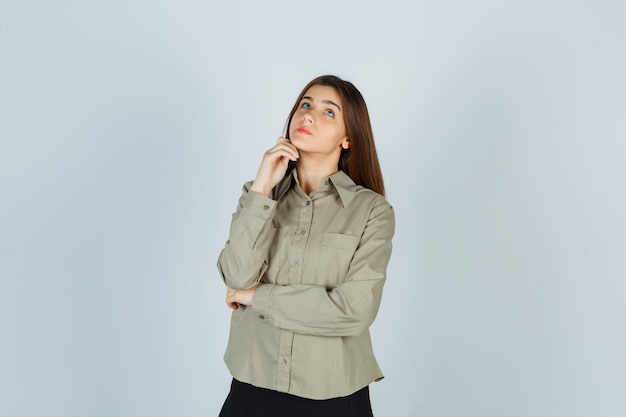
[[346, 188], [284, 185]]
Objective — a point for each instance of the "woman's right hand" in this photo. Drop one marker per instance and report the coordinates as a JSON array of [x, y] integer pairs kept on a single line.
[[274, 165]]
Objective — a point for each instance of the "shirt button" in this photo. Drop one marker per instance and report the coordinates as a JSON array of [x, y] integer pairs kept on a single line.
[[303, 232], [296, 262], [266, 207], [261, 316], [284, 361], [308, 203]]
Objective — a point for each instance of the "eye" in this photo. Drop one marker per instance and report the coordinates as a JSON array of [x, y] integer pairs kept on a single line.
[[329, 112], [306, 106]]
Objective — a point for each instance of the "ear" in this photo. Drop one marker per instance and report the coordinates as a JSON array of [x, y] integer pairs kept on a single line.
[[345, 143]]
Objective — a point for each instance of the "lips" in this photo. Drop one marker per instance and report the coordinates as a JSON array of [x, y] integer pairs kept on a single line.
[[304, 130]]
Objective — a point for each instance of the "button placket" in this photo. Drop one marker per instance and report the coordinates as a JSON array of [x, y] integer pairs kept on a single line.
[[284, 360], [299, 241]]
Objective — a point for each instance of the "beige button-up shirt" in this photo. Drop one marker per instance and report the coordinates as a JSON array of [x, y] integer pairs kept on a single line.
[[321, 262]]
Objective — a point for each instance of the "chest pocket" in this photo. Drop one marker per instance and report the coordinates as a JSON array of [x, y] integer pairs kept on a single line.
[[336, 254]]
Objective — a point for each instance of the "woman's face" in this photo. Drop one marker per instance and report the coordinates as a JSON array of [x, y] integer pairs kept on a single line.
[[317, 127]]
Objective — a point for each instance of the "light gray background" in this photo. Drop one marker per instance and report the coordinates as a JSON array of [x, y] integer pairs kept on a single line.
[[128, 126]]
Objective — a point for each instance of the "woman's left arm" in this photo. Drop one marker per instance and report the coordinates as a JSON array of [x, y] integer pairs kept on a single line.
[[346, 310]]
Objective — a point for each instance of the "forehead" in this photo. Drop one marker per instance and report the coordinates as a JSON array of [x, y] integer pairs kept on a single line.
[[323, 92]]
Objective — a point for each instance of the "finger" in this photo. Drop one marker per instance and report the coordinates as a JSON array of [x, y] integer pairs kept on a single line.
[[285, 142], [230, 302], [284, 145], [288, 151]]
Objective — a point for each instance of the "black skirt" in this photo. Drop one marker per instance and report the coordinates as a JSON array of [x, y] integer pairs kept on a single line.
[[245, 400]]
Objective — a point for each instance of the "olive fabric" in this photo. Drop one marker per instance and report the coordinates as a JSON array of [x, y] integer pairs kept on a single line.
[[320, 261]]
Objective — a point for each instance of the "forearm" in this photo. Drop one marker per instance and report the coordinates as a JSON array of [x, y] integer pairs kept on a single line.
[[347, 310], [243, 260]]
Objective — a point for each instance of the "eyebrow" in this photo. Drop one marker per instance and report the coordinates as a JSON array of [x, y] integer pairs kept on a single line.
[[323, 101]]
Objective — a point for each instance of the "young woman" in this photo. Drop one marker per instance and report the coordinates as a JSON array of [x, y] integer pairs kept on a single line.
[[305, 264]]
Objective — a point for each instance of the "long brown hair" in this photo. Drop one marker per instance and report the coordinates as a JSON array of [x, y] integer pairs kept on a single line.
[[360, 161]]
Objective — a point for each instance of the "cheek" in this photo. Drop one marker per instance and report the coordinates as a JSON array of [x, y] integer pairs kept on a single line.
[[341, 127], [340, 130], [331, 127], [293, 123]]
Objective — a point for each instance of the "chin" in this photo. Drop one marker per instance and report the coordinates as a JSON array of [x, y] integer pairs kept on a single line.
[[296, 141]]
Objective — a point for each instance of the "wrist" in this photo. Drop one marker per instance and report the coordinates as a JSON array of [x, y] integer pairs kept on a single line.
[[261, 188]]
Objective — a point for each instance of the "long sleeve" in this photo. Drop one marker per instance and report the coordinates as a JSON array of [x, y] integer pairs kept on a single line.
[[244, 258], [320, 263], [349, 308]]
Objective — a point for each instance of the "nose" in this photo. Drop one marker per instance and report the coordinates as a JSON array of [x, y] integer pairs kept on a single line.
[[308, 118]]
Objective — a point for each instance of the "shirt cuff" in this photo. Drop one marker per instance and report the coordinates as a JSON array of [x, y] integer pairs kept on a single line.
[[256, 200], [261, 300]]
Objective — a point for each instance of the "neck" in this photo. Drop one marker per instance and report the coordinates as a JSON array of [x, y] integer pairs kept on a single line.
[[311, 173]]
